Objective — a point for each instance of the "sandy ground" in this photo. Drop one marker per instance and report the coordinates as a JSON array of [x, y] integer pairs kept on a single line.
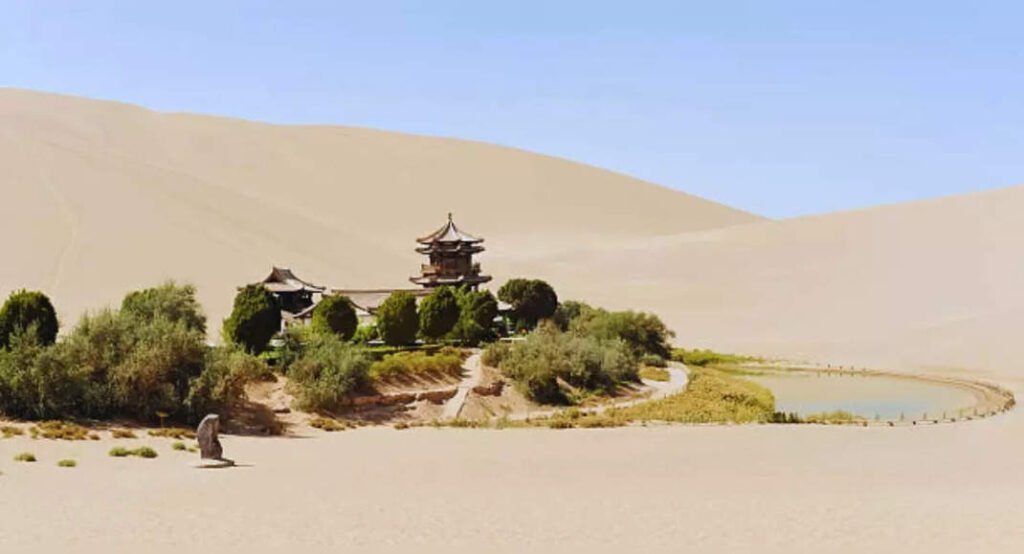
[[948, 488]]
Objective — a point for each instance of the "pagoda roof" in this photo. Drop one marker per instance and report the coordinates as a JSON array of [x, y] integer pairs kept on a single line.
[[449, 233], [281, 279]]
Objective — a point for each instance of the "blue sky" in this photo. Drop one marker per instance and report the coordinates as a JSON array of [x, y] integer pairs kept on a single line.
[[782, 108]]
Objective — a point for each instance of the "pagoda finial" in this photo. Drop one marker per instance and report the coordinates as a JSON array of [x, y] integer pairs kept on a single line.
[[449, 216]]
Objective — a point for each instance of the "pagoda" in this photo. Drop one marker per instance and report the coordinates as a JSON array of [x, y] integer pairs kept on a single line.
[[450, 250]]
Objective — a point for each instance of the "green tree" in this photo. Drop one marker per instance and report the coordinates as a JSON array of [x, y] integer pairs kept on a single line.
[[438, 313], [170, 300], [644, 333], [568, 312], [254, 320], [476, 318], [329, 373], [531, 299], [335, 314], [397, 320], [25, 310]]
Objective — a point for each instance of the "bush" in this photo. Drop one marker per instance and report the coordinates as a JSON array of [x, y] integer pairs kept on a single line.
[[335, 314], [567, 312], [141, 452], [645, 333], [36, 382], [531, 299], [438, 313], [220, 386], [254, 320], [67, 463], [549, 355], [176, 303], [25, 457], [405, 364], [28, 312], [397, 320], [495, 353], [328, 374], [365, 333], [179, 446]]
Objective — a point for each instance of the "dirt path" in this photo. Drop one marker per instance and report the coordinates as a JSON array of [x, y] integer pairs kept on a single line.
[[474, 374], [677, 380]]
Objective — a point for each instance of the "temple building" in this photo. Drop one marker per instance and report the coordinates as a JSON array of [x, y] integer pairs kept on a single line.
[[295, 296], [450, 251]]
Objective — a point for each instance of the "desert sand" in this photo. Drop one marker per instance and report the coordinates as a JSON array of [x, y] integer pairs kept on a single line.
[[101, 198]]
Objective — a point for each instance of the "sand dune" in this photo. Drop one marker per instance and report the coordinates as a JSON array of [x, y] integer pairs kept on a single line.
[[932, 284], [107, 197]]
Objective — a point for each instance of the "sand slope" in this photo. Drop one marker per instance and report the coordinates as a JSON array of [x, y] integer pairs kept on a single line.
[[107, 197], [933, 284]]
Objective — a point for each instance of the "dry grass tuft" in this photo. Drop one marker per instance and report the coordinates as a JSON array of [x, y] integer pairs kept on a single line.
[[331, 425], [179, 433], [62, 430], [122, 434], [11, 431]]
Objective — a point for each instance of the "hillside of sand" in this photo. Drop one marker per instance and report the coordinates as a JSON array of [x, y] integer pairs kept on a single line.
[[106, 197]]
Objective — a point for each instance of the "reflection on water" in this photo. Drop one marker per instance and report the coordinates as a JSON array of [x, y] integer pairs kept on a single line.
[[868, 396]]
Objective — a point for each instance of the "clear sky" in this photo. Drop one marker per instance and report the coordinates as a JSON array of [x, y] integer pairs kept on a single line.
[[779, 107]]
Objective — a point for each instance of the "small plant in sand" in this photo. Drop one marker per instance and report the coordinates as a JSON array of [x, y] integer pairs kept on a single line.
[[401, 425], [62, 430], [67, 463], [330, 425], [25, 457], [179, 433], [179, 446], [11, 431], [141, 452], [122, 434]]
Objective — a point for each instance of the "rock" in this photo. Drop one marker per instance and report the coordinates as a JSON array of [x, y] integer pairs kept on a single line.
[[437, 396], [206, 434]]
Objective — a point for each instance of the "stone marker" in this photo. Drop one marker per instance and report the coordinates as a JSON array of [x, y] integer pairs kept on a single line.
[[206, 434]]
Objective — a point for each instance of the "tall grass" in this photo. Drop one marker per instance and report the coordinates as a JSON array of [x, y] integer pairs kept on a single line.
[[704, 358], [401, 365], [710, 397]]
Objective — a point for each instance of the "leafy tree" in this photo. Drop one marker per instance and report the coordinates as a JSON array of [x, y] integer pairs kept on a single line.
[[329, 373], [220, 387], [531, 299], [254, 320], [169, 300], [438, 313], [397, 320], [478, 310], [335, 314], [569, 311], [26, 310]]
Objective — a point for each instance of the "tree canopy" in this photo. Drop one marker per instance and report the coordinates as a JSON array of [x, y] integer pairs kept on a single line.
[[170, 300], [335, 314], [254, 320], [438, 313], [397, 320], [28, 312], [531, 299]]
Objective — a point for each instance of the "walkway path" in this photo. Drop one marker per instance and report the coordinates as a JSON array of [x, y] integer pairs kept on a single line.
[[474, 374], [677, 380]]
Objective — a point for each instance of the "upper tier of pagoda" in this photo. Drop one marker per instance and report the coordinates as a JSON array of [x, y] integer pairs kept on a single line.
[[450, 250]]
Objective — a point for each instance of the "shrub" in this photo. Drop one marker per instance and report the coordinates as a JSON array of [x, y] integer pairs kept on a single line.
[[122, 434], [67, 463], [547, 355], [28, 312], [365, 334], [178, 446], [567, 312], [119, 452], [25, 457], [9, 431], [335, 314], [176, 303], [330, 425], [36, 382], [144, 452], [62, 430], [328, 374], [220, 385], [495, 353], [397, 320], [416, 364], [531, 299], [644, 333], [254, 320], [173, 433], [438, 313]]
